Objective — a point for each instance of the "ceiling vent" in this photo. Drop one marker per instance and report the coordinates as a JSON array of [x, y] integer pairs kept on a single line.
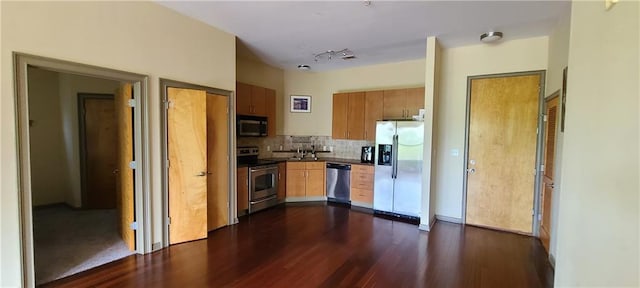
[[344, 54]]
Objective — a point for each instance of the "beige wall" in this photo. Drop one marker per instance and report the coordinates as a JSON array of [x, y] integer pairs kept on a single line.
[[599, 223], [49, 173], [457, 64], [138, 37], [322, 85], [260, 74], [558, 59], [70, 86]]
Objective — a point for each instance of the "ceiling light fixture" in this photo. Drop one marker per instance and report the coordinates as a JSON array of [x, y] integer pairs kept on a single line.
[[490, 37], [344, 54], [304, 67]]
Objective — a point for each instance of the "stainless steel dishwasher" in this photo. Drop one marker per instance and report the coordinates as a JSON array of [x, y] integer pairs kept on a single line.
[[338, 182]]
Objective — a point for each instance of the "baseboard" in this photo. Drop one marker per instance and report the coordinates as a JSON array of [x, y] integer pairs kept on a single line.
[[306, 199], [552, 261], [449, 219], [54, 205], [425, 227], [362, 204]]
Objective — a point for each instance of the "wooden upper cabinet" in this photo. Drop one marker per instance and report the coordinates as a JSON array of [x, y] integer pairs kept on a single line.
[[258, 101], [403, 103], [373, 107], [340, 108], [394, 104], [270, 96], [415, 101], [243, 99], [355, 116], [252, 100]]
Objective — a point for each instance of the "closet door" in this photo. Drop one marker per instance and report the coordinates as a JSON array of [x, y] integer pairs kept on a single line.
[[217, 161]]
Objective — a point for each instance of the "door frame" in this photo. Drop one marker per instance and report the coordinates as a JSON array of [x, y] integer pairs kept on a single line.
[[21, 62], [82, 97], [535, 208], [164, 84]]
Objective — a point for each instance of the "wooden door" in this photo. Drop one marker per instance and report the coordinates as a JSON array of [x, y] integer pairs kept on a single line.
[[217, 162], [258, 101], [100, 132], [243, 98], [373, 108], [282, 181], [549, 169], [394, 103], [339, 120], [187, 149], [243, 189], [125, 183], [415, 101], [270, 96], [296, 179], [502, 152], [355, 116]]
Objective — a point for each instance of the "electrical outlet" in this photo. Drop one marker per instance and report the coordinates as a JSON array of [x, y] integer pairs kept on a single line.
[[268, 148]]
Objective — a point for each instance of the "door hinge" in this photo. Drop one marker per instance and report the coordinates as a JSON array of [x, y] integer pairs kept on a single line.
[[133, 165], [545, 117], [533, 213], [542, 168], [168, 104], [132, 103], [134, 226], [168, 163], [168, 220], [539, 217]]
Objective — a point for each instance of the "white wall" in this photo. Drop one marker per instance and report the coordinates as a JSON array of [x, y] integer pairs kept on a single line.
[[70, 86], [138, 37], [599, 221], [321, 87], [49, 173], [558, 59], [457, 64]]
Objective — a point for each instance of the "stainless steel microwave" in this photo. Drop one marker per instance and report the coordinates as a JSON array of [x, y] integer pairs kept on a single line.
[[251, 126]]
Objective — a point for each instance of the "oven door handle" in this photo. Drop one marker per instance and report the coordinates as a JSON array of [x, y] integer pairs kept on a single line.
[[263, 200]]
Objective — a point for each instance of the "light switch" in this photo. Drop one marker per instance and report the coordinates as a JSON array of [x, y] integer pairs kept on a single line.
[[455, 152], [268, 148]]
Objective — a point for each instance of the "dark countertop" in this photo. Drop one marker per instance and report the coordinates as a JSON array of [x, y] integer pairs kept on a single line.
[[330, 160]]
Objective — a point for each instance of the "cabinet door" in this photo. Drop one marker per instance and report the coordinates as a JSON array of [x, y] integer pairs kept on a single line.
[[296, 182], [355, 116], [315, 183], [243, 189], [372, 112], [282, 181], [258, 101], [243, 98], [340, 108], [270, 97], [394, 104], [415, 101]]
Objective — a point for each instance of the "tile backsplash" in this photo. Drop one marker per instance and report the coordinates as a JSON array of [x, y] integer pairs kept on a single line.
[[348, 149]]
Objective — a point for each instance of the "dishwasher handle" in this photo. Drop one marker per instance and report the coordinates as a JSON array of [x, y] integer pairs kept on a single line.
[[338, 166]]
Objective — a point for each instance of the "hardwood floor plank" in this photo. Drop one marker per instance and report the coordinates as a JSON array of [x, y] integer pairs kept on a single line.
[[330, 246]]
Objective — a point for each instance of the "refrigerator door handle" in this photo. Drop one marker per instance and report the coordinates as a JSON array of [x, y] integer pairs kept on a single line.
[[394, 161]]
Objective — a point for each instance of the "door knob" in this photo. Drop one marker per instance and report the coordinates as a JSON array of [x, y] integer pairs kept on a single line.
[[201, 174], [116, 171]]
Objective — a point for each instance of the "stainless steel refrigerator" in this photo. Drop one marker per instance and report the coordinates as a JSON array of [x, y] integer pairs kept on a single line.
[[398, 171]]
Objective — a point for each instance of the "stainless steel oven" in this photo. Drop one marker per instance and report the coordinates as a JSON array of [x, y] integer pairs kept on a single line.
[[251, 126], [263, 187]]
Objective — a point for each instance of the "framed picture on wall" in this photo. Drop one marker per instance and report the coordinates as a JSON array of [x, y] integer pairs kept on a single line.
[[300, 103], [564, 98]]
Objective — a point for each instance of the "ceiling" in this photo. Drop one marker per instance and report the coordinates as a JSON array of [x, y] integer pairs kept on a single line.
[[287, 33]]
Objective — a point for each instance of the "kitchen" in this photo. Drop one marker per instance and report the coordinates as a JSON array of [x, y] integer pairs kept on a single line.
[[274, 169]]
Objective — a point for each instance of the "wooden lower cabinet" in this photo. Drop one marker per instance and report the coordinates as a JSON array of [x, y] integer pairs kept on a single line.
[[243, 190], [362, 185], [282, 181], [305, 179]]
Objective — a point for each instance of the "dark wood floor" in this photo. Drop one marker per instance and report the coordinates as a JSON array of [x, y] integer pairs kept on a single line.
[[328, 246]]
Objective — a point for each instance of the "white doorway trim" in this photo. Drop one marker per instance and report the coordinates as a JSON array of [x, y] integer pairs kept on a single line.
[[141, 151]]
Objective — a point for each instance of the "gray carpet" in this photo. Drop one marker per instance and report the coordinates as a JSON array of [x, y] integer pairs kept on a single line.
[[69, 241]]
